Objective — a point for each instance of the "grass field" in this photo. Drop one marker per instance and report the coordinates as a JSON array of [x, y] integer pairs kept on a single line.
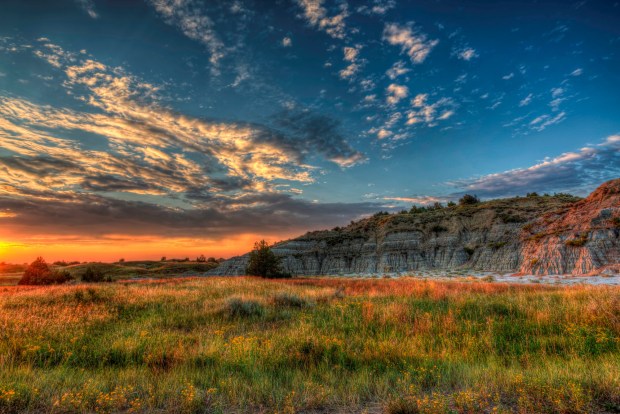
[[309, 345]]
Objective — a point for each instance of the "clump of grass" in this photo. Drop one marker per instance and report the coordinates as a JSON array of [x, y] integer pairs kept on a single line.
[[488, 278], [241, 308], [578, 241], [497, 245], [291, 300]]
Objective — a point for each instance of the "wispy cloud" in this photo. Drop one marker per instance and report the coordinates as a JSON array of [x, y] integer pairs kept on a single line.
[[526, 101], [430, 113], [397, 70], [317, 16], [412, 42], [188, 16], [541, 122], [394, 93], [89, 7], [351, 57], [423, 200], [467, 54], [377, 7]]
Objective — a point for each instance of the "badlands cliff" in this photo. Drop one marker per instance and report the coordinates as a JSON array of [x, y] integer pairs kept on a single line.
[[540, 235]]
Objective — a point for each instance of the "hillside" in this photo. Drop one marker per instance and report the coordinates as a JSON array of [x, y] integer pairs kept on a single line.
[[125, 270], [533, 235]]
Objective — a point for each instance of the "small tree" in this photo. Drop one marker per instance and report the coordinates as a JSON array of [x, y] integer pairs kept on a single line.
[[469, 199], [39, 273], [263, 262], [201, 258]]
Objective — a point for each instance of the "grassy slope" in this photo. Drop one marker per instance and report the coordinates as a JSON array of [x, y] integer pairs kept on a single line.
[[141, 269], [334, 344]]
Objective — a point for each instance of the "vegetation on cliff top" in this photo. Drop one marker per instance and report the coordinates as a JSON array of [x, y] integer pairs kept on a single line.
[[516, 210]]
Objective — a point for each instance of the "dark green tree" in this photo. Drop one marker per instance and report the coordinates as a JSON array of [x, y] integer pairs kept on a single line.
[[263, 262], [39, 273]]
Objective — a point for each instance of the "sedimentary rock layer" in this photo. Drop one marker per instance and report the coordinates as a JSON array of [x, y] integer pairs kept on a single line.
[[557, 234]]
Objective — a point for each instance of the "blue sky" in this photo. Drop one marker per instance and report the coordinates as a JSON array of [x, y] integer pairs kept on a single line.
[[155, 118]]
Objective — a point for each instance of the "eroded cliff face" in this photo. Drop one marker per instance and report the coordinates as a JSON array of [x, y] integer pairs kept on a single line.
[[533, 235], [583, 239]]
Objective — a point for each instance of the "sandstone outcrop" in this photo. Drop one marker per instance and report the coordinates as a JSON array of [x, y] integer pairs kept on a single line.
[[557, 234]]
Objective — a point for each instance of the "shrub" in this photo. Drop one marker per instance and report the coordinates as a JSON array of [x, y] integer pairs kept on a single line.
[[469, 250], [290, 300], [201, 259], [438, 228], [497, 245], [264, 263], [94, 276], [534, 194], [511, 218], [239, 308], [616, 221], [579, 241], [39, 273], [468, 199]]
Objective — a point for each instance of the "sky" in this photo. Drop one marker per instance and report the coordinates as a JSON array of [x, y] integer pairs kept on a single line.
[[145, 128]]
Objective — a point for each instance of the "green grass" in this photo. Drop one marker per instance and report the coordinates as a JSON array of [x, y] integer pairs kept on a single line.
[[140, 269], [251, 345]]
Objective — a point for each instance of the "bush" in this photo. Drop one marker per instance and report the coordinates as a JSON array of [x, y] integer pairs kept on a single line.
[[239, 308], [290, 300], [468, 199], [201, 259], [264, 263], [438, 228], [497, 245], [94, 276], [579, 241], [39, 273]]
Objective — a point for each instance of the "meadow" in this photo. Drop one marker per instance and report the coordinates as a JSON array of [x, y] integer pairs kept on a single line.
[[312, 345]]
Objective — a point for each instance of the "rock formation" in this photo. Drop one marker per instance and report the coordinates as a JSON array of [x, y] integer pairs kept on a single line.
[[557, 234]]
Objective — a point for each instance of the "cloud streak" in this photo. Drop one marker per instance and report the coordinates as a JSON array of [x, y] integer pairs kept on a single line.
[[578, 172], [411, 41], [194, 23], [218, 175]]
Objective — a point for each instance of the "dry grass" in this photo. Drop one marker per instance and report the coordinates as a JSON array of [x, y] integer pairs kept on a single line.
[[322, 344]]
